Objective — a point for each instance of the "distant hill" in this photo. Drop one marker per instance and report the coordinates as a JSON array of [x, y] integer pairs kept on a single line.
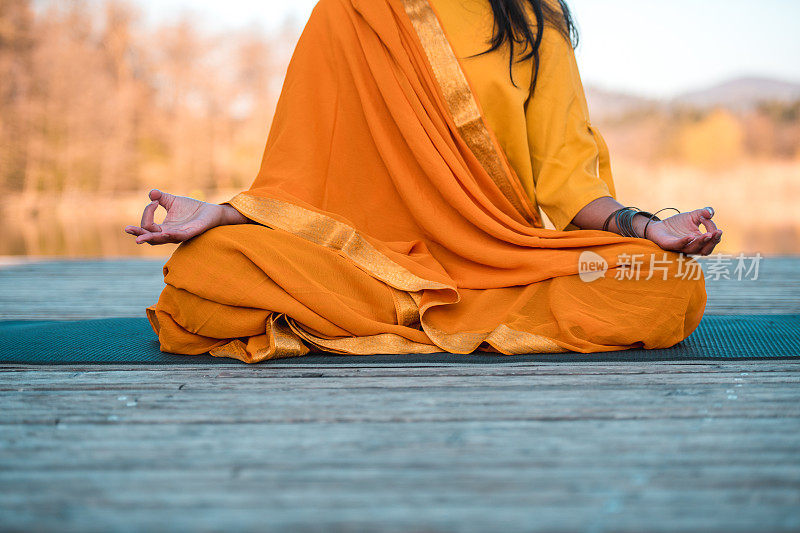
[[605, 104], [738, 94], [741, 93]]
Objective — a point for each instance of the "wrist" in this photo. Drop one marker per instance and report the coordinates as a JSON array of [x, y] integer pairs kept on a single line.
[[629, 222], [639, 224], [220, 218], [229, 216]]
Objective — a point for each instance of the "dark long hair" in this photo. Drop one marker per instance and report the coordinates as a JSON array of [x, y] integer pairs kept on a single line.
[[512, 25]]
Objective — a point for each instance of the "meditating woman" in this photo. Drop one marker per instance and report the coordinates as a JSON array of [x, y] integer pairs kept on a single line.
[[397, 208]]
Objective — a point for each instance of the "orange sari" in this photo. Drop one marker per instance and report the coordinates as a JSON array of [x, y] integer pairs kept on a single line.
[[388, 220]]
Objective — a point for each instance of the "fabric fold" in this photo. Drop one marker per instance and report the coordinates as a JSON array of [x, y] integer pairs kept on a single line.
[[382, 188]]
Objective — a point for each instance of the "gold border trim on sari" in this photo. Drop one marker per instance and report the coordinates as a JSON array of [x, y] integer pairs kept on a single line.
[[464, 108], [278, 342], [390, 343], [285, 336], [331, 233], [335, 235]]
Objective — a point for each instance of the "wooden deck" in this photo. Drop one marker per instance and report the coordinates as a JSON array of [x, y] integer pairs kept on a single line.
[[690, 446]]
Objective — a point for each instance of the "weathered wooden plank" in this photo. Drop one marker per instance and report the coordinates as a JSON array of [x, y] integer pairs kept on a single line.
[[327, 377], [713, 443], [364, 484], [264, 393], [621, 511], [75, 289], [441, 406], [539, 447], [776, 287], [540, 476], [442, 393], [290, 367]]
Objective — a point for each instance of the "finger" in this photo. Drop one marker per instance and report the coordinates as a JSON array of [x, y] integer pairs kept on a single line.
[[164, 199], [159, 238], [156, 239], [708, 224], [685, 241], [695, 245], [709, 247], [153, 238], [169, 238], [705, 242], [144, 237], [134, 230], [678, 244], [147, 217], [703, 216]]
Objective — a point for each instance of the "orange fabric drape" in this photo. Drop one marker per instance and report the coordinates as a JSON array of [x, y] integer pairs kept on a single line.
[[389, 221]]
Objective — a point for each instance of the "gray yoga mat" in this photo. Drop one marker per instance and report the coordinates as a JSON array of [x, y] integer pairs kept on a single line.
[[132, 341]]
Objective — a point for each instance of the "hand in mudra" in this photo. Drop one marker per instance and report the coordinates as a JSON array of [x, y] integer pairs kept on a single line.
[[186, 218], [681, 232]]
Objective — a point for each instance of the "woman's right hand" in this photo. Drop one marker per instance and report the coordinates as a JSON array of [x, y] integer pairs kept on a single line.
[[186, 218]]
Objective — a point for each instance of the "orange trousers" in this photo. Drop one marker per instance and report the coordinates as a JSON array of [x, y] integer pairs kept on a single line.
[[232, 289]]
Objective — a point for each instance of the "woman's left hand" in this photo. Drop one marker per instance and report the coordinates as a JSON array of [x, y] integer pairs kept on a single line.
[[681, 232]]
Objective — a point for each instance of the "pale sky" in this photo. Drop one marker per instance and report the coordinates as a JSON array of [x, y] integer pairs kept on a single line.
[[655, 48]]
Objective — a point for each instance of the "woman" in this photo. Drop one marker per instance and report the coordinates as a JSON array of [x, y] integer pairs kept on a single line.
[[397, 205]]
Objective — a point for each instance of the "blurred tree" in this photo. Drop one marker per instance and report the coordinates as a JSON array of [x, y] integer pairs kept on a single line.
[[119, 163], [714, 141], [16, 46], [90, 100]]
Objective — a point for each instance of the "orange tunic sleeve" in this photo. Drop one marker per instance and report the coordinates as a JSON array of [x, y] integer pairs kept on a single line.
[[569, 156]]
